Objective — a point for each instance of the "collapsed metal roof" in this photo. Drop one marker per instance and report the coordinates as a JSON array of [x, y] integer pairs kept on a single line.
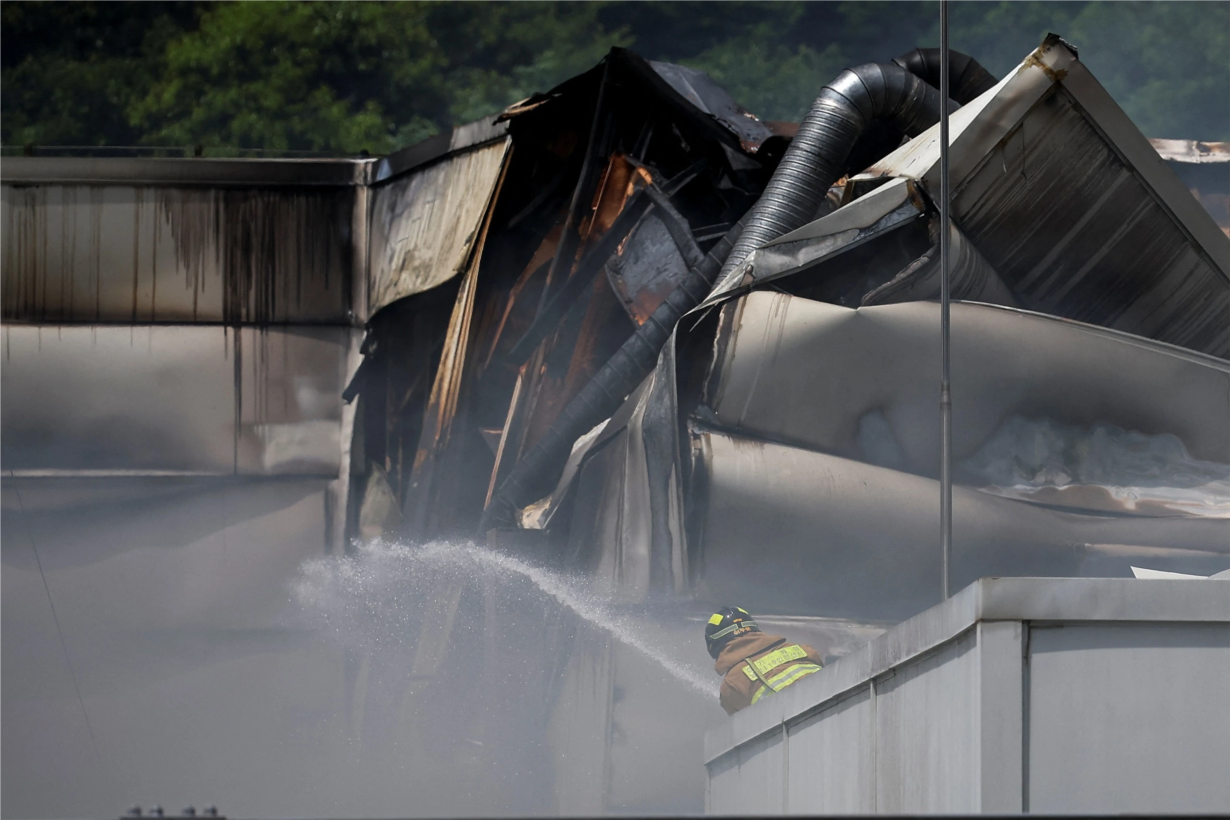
[[1074, 211], [270, 351], [801, 421], [518, 277], [1062, 211]]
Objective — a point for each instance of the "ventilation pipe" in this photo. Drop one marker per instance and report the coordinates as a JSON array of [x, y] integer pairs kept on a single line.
[[894, 93], [967, 79], [815, 160]]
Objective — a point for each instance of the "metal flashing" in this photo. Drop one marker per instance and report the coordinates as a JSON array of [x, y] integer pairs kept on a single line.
[[437, 147], [871, 215], [213, 173]]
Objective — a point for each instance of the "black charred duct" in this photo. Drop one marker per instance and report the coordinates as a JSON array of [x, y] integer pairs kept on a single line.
[[873, 101], [894, 97], [967, 79]]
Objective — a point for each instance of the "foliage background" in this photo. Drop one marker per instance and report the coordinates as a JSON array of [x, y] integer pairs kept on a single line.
[[345, 77]]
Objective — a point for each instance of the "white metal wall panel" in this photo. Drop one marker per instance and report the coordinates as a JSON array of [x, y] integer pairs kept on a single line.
[[832, 761], [424, 225], [180, 398], [927, 734], [1000, 709], [1129, 717], [1027, 695], [580, 726]]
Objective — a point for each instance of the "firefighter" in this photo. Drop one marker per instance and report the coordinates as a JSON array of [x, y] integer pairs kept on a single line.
[[753, 664]]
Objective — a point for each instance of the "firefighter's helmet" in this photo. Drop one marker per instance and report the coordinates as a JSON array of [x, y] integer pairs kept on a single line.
[[728, 622]]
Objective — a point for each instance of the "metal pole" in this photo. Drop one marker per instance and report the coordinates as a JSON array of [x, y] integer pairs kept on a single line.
[[945, 396]]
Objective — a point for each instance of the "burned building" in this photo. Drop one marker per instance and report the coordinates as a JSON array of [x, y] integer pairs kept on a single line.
[[1073, 241], [623, 330]]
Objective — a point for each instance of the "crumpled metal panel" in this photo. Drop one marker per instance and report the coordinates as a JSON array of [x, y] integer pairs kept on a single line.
[[698, 88], [1076, 210], [628, 514], [971, 277], [107, 401], [794, 530], [424, 225], [612, 536], [870, 216], [862, 383], [77, 253]]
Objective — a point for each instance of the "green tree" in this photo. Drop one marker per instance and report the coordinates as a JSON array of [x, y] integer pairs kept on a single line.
[[342, 77], [70, 71], [1166, 64], [351, 76]]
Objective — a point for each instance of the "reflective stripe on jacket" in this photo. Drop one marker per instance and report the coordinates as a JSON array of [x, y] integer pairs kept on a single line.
[[756, 664]]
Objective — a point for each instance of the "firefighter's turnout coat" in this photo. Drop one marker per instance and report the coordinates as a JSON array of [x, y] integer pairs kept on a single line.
[[756, 664]]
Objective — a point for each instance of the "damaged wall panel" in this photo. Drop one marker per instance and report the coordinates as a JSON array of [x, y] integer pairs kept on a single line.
[[813, 374], [144, 254], [424, 225], [792, 530]]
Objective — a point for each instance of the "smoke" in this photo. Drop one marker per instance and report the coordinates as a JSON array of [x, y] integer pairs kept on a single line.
[[497, 687]]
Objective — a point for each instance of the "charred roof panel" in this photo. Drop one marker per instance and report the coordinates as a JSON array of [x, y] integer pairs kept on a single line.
[[698, 88], [1067, 201], [1075, 231]]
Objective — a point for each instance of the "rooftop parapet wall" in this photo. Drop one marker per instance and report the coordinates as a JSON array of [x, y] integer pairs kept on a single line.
[[1016, 695]]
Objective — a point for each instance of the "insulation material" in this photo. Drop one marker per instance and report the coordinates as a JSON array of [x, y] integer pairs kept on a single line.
[[424, 225]]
